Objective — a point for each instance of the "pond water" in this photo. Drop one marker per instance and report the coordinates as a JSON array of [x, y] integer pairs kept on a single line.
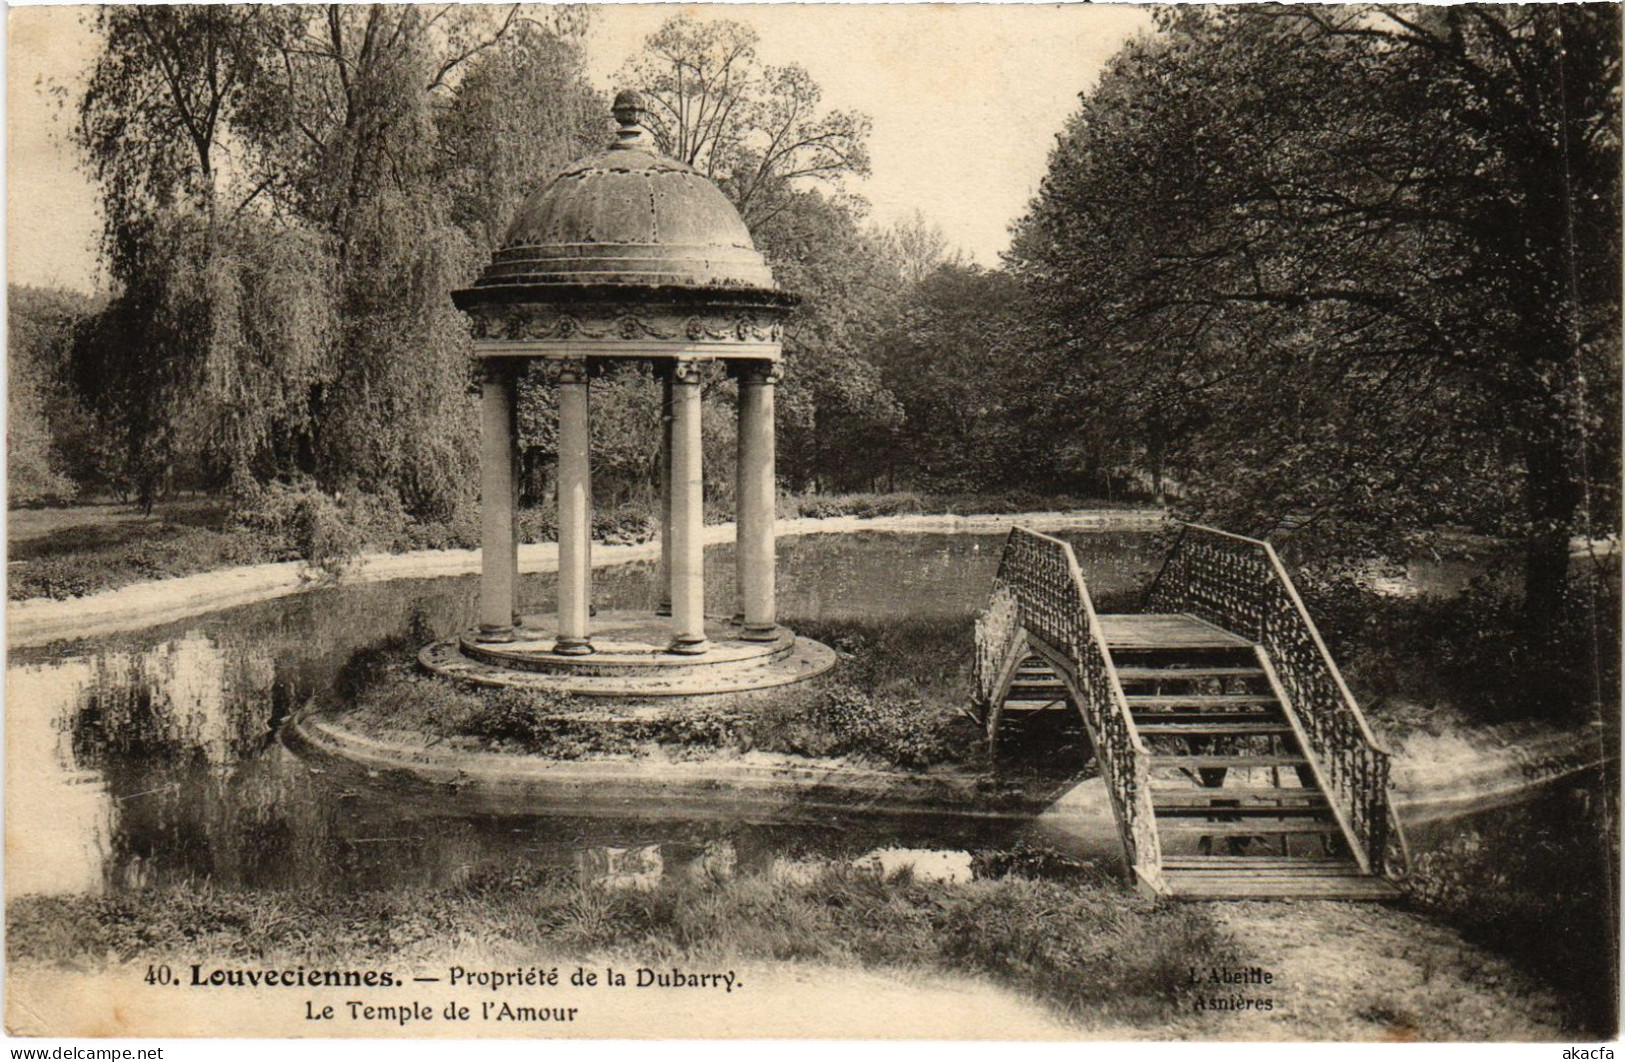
[[155, 757]]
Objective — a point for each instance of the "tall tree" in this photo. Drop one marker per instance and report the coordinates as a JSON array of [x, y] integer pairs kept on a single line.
[[762, 134], [208, 295], [291, 193], [522, 112], [948, 357], [1345, 269], [49, 448], [756, 129]]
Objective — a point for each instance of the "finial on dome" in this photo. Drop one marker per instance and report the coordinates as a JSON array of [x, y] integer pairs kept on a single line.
[[628, 111]]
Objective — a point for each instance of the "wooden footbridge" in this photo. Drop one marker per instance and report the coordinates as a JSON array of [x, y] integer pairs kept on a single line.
[[1238, 763]]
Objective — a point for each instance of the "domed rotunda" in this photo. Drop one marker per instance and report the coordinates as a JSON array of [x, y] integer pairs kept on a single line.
[[629, 254]]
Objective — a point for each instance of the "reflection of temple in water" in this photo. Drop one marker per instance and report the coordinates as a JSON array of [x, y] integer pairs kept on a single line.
[[134, 768], [154, 759]]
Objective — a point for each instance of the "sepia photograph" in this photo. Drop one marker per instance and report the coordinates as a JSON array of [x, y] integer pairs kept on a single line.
[[953, 522]]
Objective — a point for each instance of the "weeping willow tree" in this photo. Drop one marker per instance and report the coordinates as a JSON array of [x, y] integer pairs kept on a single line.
[[290, 194]]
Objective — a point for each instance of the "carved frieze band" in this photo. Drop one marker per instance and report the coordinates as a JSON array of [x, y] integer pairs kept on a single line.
[[520, 326]]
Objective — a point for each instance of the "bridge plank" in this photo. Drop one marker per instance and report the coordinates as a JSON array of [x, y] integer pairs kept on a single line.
[[1251, 828], [1153, 727], [1172, 674], [1233, 762], [1182, 887], [1165, 631]]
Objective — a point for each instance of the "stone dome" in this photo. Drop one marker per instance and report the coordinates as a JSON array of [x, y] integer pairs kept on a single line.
[[628, 217]]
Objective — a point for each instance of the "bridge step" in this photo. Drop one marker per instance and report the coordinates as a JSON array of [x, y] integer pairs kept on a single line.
[[1260, 862], [1245, 829], [1237, 762], [1037, 706], [1199, 700], [1225, 881], [1239, 717], [1151, 726], [1168, 674], [1044, 689], [1244, 811], [1181, 796]]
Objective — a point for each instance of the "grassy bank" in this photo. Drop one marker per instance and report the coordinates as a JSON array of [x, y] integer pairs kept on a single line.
[[1473, 654], [1082, 945], [894, 699], [104, 547], [1540, 884]]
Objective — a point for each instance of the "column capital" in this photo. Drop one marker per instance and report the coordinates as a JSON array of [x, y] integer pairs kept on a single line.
[[572, 370], [498, 370], [687, 370], [757, 371]]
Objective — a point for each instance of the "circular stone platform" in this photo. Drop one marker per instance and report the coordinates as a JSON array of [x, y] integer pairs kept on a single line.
[[631, 660]]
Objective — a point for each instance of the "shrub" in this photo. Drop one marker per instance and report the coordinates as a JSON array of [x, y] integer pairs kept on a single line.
[[1538, 883], [327, 531], [864, 505], [843, 719], [628, 523], [56, 579], [1474, 650]]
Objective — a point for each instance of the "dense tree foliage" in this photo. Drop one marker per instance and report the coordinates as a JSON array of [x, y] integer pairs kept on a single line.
[[50, 451], [949, 358], [1349, 270], [290, 195]]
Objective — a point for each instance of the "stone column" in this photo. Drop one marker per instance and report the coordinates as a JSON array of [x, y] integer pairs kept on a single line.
[[575, 511], [755, 500], [498, 511], [663, 576], [687, 512]]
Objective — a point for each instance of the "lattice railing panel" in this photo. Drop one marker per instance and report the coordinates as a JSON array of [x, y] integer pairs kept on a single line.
[[1240, 584], [998, 629], [1039, 575]]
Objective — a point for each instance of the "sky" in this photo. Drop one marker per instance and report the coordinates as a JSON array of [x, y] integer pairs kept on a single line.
[[966, 100]]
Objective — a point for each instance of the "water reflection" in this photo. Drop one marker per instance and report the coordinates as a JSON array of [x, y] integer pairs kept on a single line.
[[154, 757]]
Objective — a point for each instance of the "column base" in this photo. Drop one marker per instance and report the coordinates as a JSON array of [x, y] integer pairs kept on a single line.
[[573, 647], [689, 645], [488, 633], [760, 632]]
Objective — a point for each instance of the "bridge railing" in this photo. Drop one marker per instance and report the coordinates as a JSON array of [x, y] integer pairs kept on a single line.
[[998, 630], [1240, 584], [1039, 591]]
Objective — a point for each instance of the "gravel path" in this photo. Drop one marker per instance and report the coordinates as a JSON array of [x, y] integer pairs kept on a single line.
[[1366, 972]]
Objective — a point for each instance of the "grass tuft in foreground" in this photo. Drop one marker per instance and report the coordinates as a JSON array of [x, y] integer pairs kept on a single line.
[[1083, 946]]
